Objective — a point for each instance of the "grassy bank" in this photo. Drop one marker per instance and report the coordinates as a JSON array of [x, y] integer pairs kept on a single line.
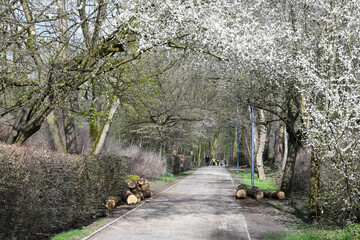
[[267, 184], [306, 232], [350, 232]]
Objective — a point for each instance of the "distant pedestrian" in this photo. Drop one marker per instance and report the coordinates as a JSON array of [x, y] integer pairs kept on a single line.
[[214, 162], [207, 160]]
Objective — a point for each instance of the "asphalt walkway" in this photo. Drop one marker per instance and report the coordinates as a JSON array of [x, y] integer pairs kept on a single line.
[[201, 206]]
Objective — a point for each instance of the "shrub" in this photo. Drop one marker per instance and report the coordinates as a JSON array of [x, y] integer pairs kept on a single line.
[[140, 162], [42, 192], [187, 163], [177, 164]]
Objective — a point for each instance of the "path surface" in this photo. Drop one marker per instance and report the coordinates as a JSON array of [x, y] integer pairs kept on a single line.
[[201, 206]]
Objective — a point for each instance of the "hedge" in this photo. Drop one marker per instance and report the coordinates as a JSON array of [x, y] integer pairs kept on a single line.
[[43, 192]]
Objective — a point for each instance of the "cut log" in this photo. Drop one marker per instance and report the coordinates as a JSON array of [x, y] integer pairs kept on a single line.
[[111, 202], [141, 181], [255, 193], [241, 193], [141, 194], [131, 184], [148, 194], [145, 187], [131, 198], [274, 194]]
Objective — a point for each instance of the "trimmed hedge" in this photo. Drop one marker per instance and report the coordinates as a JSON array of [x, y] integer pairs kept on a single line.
[[43, 192], [178, 163]]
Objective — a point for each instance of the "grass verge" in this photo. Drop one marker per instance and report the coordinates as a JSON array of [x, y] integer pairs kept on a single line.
[[267, 184], [350, 232], [72, 234]]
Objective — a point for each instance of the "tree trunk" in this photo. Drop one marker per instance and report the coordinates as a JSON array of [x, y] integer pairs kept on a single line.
[[214, 144], [271, 145], [261, 147], [70, 132], [279, 146], [285, 154], [198, 155], [104, 130], [55, 132], [293, 146], [314, 193]]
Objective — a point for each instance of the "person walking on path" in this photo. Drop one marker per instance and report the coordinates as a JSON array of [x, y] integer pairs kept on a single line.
[[214, 162], [207, 160]]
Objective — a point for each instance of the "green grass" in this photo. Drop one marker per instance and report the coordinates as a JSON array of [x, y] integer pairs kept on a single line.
[[350, 232], [72, 234], [266, 184], [167, 178]]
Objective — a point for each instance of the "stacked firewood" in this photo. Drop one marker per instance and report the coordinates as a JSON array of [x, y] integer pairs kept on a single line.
[[244, 190], [138, 190]]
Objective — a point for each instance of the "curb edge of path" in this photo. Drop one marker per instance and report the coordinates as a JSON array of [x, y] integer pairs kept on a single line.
[[233, 185], [132, 210]]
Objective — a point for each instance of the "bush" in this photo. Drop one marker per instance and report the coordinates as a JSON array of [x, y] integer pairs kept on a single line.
[[140, 162], [43, 192]]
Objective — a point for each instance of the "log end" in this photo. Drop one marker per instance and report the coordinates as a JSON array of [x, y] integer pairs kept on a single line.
[[281, 195], [259, 195], [132, 199], [111, 202], [241, 193]]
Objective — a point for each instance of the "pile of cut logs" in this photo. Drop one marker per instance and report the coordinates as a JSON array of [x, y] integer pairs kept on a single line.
[[137, 190], [244, 190]]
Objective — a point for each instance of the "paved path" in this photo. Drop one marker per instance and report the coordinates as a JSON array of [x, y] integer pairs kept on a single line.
[[201, 206]]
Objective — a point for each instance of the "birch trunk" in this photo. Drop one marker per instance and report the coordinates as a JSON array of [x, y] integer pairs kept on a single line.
[[286, 151], [279, 146], [261, 147]]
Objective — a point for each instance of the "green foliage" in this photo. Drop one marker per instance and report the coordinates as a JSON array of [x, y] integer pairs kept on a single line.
[[266, 184]]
